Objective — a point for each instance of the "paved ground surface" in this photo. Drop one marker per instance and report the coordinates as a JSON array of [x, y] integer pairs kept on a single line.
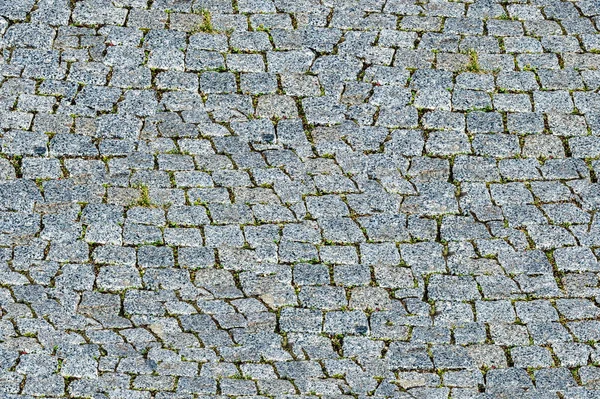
[[299, 199]]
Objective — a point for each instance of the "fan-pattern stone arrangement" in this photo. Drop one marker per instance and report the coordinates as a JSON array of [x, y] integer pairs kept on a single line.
[[336, 199]]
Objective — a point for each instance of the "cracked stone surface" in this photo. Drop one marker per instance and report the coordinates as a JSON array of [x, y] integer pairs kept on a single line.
[[336, 199]]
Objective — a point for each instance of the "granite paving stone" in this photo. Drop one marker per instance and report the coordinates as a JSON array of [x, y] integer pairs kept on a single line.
[[299, 199]]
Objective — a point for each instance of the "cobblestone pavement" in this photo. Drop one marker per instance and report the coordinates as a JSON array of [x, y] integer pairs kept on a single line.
[[288, 199]]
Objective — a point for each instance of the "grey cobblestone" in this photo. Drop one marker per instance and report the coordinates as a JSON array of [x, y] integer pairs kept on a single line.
[[391, 199]]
